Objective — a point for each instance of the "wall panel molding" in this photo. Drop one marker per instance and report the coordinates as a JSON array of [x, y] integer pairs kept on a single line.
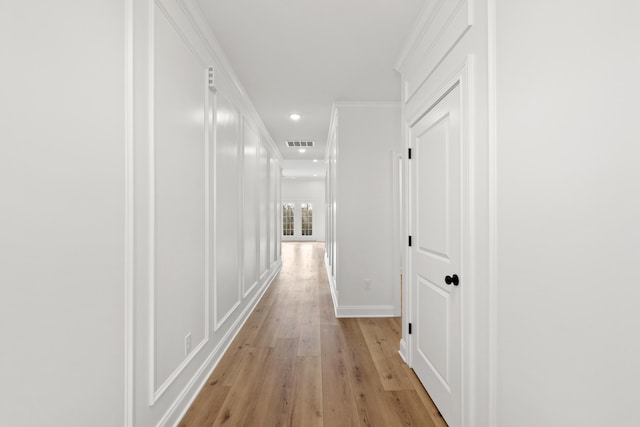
[[250, 206], [159, 400], [156, 393], [129, 254], [225, 112]]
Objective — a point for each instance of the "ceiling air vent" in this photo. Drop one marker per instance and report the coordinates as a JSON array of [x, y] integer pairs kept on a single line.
[[298, 144]]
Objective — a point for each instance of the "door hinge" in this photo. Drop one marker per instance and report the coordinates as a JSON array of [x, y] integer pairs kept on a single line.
[[409, 328], [409, 153], [210, 77], [409, 240]]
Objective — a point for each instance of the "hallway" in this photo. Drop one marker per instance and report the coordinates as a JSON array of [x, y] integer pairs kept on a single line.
[[294, 364]]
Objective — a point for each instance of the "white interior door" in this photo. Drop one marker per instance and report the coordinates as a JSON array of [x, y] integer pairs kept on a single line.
[[436, 229]]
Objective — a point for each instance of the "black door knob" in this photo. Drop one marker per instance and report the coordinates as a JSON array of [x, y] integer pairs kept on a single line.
[[454, 280]]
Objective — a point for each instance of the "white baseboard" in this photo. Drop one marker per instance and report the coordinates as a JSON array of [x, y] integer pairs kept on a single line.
[[332, 286], [365, 311], [185, 399], [403, 351]]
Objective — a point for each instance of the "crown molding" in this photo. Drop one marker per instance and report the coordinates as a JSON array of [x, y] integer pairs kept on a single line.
[[196, 16], [419, 28]]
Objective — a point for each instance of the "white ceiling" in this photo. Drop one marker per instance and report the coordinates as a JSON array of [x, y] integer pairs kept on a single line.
[[302, 55]]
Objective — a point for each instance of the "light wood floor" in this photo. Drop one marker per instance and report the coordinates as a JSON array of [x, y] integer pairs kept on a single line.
[[294, 364]]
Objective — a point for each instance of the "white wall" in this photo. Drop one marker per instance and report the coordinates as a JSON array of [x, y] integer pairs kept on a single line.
[[552, 208], [568, 231], [62, 201], [306, 190], [361, 181], [128, 203], [203, 203]]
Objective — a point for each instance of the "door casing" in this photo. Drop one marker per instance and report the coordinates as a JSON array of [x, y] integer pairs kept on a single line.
[[461, 78]]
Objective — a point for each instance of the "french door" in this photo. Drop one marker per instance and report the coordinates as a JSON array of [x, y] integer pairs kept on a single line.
[[297, 221]]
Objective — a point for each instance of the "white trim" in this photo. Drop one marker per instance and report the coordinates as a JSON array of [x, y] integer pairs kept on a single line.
[[396, 225], [468, 255], [406, 229], [403, 351], [419, 28], [350, 311], [209, 103], [332, 284], [366, 104], [129, 192], [172, 418], [447, 33], [251, 288], [219, 323], [331, 140], [492, 143], [151, 201], [171, 378], [305, 178]]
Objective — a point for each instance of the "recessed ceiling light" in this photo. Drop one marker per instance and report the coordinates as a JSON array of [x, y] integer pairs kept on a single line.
[[315, 160], [295, 116], [302, 150]]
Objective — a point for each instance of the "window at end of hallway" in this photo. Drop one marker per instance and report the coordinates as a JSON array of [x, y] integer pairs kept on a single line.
[[287, 219], [307, 219]]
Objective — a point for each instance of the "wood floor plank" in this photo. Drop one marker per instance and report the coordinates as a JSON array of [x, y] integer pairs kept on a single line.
[[382, 344], [309, 344], [311, 302], [268, 333], [245, 391], [292, 318], [229, 366], [327, 313], [408, 409], [338, 403], [370, 396], [206, 407], [257, 319], [274, 407], [307, 393], [294, 364]]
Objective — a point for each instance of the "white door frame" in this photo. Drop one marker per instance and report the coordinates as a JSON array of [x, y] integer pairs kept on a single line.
[[397, 172], [461, 77]]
